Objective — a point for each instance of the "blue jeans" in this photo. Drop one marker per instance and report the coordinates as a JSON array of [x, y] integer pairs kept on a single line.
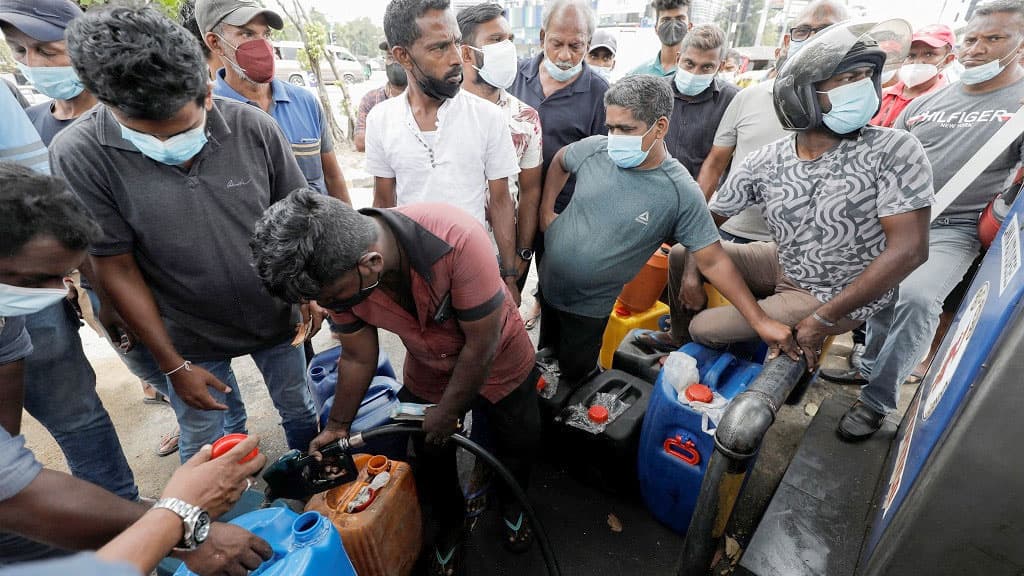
[[898, 337], [284, 371], [60, 392]]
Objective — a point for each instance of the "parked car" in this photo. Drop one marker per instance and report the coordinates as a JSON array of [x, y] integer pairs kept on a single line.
[[290, 70]]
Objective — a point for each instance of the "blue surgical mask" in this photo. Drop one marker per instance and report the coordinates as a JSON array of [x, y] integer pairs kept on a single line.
[[692, 84], [18, 301], [174, 151], [559, 74], [628, 151], [794, 47], [59, 83], [986, 71], [853, 106]]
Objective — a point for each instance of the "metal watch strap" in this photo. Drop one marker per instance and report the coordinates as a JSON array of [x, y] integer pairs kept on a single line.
[[188, 514]]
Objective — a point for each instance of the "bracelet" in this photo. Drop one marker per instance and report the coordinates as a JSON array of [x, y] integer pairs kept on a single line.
[[187, 366], [509, 273], [825, 322]]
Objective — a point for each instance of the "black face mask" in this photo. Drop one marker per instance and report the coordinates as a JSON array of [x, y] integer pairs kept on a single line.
[[672, 32], [396, 75], [434, 88], [341, 306]]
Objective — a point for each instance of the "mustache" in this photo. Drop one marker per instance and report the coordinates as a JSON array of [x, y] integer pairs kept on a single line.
[[564, 64], [455, 72]]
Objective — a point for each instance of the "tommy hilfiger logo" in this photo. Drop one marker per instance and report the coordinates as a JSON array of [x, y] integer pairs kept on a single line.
[[644, 218]]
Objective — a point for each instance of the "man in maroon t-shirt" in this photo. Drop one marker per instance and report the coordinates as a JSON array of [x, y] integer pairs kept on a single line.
[[427, 273]]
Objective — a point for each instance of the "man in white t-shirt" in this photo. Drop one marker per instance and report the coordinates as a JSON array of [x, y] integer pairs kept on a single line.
[[489, 68], [437, 143]]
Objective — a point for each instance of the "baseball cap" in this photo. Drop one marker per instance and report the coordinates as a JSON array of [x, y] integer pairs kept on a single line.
[[209, 13], [44, 20], [603, 39], [936, 36]]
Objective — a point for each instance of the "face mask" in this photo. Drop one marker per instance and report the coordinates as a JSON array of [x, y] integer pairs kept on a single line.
[[18, 301], [60, 83], [627, 151], [341, 306], [603, 72], [254, 59], [672, 32], [887, 76], [559, 74], [500, 66], [853, 106], [396, 75], [434, 88], [794, 47], [692, 84], [986, 71], [917, 74], [728, 76], [175, 150]]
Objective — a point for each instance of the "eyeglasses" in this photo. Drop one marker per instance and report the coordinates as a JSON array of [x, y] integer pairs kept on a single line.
[[801, 33]]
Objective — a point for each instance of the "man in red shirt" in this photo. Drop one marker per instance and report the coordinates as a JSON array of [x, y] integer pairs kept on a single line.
[[931, 50], [427, 273]]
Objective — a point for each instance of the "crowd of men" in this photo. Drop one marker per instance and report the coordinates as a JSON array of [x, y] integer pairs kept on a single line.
[[201, 202]]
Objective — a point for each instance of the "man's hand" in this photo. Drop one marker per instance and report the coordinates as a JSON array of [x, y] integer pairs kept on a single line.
[[514, 289], [117, 329], [779, 338], [546, 219], [439, 424], [229, 550], [190, 385], [330, 433], [810, 335], [311, 312], [693, 295], [215, 485]]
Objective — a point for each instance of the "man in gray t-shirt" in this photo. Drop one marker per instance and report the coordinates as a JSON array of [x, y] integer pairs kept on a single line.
[[630, 197], [951, 124]]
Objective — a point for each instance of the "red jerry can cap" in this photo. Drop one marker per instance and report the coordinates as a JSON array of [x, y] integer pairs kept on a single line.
[[621, 310], [598, 414], [699, 393]]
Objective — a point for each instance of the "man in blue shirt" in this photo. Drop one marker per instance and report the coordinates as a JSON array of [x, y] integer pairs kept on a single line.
[[239, 32], [671, 24]]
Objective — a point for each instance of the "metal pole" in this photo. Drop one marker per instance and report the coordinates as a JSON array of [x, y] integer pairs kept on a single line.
[[762, 24]]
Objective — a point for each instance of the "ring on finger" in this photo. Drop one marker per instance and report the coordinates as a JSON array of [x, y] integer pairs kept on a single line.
[[248, 483]]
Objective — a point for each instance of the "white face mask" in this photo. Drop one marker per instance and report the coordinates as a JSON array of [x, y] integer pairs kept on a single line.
[[18, 301], [917, 74], [887, 75], [500, 65], [986, 71]]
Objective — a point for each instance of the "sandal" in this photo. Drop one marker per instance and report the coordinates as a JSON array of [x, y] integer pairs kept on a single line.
[[169, 443], [531, 322], [450, 564], [517, 535], [654, 341]]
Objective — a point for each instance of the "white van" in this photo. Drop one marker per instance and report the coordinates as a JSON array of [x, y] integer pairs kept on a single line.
[[289, 69]]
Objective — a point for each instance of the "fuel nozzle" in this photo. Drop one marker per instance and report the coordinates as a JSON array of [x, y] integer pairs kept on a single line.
[[299, 476]]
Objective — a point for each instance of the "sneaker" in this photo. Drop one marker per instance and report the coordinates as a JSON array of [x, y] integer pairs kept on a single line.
[[843, 375], [859, 422]]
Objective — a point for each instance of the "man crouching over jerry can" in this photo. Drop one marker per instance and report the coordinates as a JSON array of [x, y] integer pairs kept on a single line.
[[427, 273]]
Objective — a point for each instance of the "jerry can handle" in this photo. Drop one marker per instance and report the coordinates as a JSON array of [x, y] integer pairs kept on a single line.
[[685, 451]]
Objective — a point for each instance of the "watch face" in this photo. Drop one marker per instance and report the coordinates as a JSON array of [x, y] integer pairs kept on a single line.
[[202, 528]]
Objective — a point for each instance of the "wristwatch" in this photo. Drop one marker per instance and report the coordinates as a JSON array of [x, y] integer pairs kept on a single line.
[[195, 519], [525, 254]]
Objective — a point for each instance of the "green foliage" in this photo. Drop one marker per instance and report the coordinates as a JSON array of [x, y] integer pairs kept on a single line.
[[359, 36]]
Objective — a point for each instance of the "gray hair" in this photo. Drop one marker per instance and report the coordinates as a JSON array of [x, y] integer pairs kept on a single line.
[[1000, 7], [821, 7], [307, 241], [705, 37], [647, 97], [553, 8]]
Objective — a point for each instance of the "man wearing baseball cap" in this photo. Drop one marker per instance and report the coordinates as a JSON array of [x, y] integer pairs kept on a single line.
[[239, 31], [931, 51], [601, 56]]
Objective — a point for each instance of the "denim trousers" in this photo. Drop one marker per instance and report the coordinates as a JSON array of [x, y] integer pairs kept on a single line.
[[898, 336]]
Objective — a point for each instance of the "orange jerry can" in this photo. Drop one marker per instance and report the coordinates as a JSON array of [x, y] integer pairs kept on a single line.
[[377, 515], [640, 293]]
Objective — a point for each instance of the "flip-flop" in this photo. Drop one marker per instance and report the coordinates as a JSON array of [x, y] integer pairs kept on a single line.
[[168, 443], [517, 536], [530, 322], [649, 340]]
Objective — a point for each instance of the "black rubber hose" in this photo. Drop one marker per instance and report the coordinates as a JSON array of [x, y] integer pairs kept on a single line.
[[356, 440]]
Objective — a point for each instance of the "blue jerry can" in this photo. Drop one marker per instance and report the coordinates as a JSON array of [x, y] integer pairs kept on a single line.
[[323, 376], [674, 449], [304, 544]]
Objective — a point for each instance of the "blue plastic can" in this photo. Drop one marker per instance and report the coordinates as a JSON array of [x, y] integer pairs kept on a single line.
[[323, 376], [304, 544], [674, 448]]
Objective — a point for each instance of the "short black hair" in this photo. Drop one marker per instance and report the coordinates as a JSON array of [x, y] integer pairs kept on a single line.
[[187, 18], [137, 61], [400, 26], [34, 204], [662, 5], [471, 17], [306, 242]]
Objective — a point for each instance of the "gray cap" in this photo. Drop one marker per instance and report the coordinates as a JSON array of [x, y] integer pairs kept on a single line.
[[603, 38], [209, 13]]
